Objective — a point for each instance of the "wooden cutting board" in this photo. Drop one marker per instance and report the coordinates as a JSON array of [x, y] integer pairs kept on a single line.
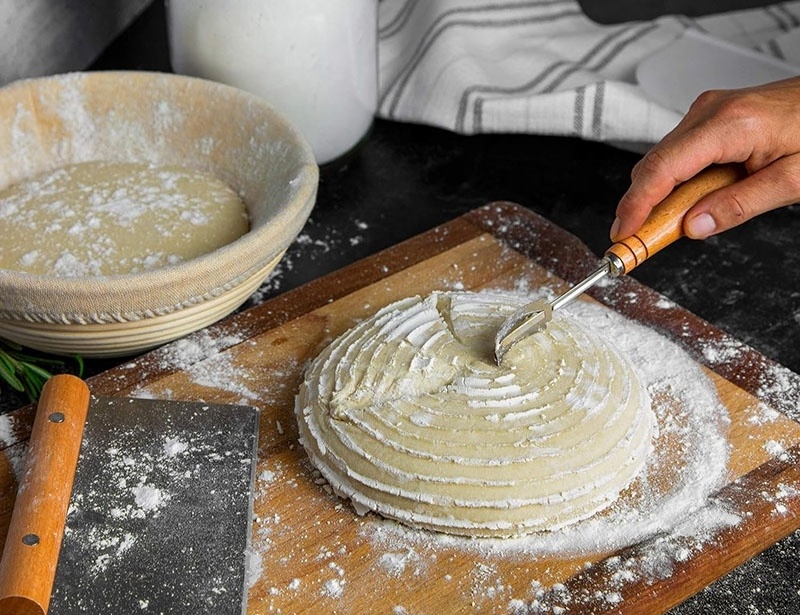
[[312, 553]]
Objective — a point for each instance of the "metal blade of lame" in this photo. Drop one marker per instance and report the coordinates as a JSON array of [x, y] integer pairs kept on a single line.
[[534, 316]]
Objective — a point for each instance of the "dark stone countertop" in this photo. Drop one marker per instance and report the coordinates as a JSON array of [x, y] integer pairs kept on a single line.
[[405, 179]]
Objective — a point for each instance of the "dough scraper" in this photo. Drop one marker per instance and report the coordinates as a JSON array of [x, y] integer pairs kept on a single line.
[[663, 226], [130, 506]]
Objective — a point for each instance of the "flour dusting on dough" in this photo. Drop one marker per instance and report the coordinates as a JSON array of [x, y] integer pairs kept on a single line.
[[407, 414]]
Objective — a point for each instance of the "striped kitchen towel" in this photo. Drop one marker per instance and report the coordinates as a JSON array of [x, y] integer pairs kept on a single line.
[[542, 66]]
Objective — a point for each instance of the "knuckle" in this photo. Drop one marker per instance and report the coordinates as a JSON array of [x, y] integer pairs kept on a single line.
[[655, 163], [736, 207], [730, 210], [704, 100], [627, 203], [733, 111], [738, 211], [788, 179], [741, 113]]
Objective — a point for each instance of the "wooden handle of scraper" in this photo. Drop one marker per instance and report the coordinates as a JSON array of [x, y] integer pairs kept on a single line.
[[30, 556], [664, 225]]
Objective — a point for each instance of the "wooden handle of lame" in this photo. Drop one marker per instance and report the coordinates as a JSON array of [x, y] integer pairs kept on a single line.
[[664, 225], [30, 556]]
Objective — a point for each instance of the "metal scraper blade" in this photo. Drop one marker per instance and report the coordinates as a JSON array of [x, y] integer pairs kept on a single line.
[[161, 507]]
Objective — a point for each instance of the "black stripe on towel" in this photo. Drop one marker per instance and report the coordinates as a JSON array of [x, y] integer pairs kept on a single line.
[[598, 57], [443, 23]]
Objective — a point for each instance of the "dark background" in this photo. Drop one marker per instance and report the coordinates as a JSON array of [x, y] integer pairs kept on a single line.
[[613, 11]]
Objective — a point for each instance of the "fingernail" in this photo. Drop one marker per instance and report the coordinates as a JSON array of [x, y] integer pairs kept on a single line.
[[614, 229], [701, 226]]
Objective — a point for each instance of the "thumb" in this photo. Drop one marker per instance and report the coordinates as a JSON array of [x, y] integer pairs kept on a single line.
[[774, 186]]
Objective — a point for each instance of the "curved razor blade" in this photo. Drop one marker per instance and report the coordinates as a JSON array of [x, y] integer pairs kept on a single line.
[[523, 322]]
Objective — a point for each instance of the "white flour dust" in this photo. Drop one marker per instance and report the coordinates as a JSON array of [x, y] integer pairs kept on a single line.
[[149, 498], [135, 495], [202, 359], [7, 437], [669, 524], [691, 447], [313, 244], [668, 517], [175, 446], [669, 528]]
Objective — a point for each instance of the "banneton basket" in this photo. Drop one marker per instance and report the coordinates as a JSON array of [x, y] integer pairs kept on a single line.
[[162, 119]]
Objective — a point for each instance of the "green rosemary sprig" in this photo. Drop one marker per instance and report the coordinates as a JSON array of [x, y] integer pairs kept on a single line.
[[27, 373]]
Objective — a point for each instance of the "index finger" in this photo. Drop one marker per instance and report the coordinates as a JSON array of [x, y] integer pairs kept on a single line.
[[673, 161]]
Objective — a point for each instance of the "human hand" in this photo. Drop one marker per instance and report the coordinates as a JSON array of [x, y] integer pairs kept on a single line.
[[758, 126]]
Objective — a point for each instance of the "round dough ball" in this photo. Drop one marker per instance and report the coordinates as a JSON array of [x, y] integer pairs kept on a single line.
[[407, 415], [108, 218]]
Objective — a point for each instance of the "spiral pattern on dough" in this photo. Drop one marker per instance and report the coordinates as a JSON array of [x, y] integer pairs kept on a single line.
[[406, 414]]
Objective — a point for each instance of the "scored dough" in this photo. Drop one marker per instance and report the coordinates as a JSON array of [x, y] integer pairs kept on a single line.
[[106, 218], [406, 414]]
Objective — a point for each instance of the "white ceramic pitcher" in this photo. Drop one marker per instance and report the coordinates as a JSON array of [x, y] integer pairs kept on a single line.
[[314, 60]]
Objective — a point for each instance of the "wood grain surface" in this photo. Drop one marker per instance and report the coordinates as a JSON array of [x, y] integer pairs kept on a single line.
[[315, 554]]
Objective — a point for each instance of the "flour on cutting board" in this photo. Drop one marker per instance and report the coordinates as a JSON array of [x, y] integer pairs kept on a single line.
[[671, 524], [201, 357], [402, 552], [7, 437], [776, 383], [689, 521], [670, 528]]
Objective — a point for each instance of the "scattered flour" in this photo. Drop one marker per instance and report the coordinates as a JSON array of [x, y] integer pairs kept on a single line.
[[149, 498], [661, 528], [722, 351], [664, 535], [664, 303], [78, 220], [201, 356], [781, 387], [267, 476], [691, 419], [254, 563], [334, 588], [777, 449], [142, 489], [395, 563], [778, 386], [762, 414], [313, 244], [7, 437], [667, 527], [174, 447]]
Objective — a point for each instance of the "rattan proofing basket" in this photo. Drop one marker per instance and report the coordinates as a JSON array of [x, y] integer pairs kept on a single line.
[[162, 119]]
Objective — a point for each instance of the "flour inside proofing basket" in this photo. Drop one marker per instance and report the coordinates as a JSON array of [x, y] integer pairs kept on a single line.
[[669, 512], [106, 218]]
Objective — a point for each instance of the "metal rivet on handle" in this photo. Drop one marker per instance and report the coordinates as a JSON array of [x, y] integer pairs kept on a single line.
[[30, 540], [56, 417]]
